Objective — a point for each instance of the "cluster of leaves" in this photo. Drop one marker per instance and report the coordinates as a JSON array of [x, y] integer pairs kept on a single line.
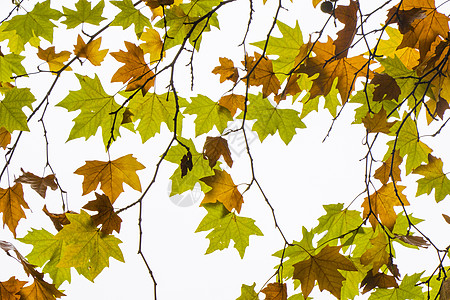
[[398, 85]]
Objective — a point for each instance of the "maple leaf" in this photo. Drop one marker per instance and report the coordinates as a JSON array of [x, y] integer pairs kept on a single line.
[[135, 71], [378, 122], [248, 292], [226, 70], [383, 173], [153, 44], [129, 15], [408, 56], [386, 89], [9, 289], [404, 18], [292, 88], [106, 216], [275, 291], [434, 178], [223, 190], [11, 115], [84, 13], [380, 280], [47, 253], [5, 137], [11, 203], [11, 64], [270, 119], [58, 219], [55, 60], [232, 103], [39, 184], [378, 254], [209, 114], [323, 267], [226, 226], [262, 74], [382, 203], [39, 290], [91, 51], [413, 240], [348, 16], [214, 148], [111, 175], [408, 289], [85, 247]]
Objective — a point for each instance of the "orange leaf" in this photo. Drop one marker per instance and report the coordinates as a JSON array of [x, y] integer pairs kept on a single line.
[[91, 51], [55, 60], [378, 122], [111, 175], [135, 70], [39, 184], [223, 190], [382, 203], [232, 102], [40, 290], [323, 267], [226, 70], [11, 203], [386, 89], [106, 215], [262, 75], [275, 291], [348, 16], [58, 219], [291, 88], [9, 289], [5, 137], [214, 148], [380, 280], [383, 173]]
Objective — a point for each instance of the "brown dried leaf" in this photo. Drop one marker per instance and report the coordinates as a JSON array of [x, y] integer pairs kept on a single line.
[[291, 88], [106, 214], [378, 122], [186, 164], [156, 3], [39, 184], [262, 74], [446, 218], [59, 220], [348, 16], [223, 190], [91, 51], [275, 291], [214, 148], [380, 280], [386, 88], [413, 240], [404, 18]]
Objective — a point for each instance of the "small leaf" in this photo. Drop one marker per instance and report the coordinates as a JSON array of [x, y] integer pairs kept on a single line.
[[413, 240], [248, 292], [91, 51], [348, 16], [11, 203], [233, 102], [383, 173], [214, 148], [152, 45], [55, 60], [84, 13], [59, 220], [446, 218], [39, 184], [226, 70], [275, 291], [378, 122], [386, 88], [186, 164], [106, 216], [434, 178], [5, 137], [262, 74], [223, 190], [378, 254], [380, 280]]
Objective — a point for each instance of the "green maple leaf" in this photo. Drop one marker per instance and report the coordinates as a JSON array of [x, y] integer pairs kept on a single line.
[[84, 13], [11, 115], [248, 292], [152, 110], [226, 226], [406, 290], [95, 105], [47, 251], [270, 119], [434, 178], [336, 222], [199, 170], [11, 64], [209, 114], [129, 15], [408, 144], [331, 99], [15, 42], [35, 23], [85, 247]]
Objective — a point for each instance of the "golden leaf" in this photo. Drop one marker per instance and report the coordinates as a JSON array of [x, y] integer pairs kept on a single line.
[[55, 60], [232, 102], [223, 190], [226, 70], [91, 51], [11, 203]]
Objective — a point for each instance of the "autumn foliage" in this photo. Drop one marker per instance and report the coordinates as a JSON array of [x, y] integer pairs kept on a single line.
[[388, 65]]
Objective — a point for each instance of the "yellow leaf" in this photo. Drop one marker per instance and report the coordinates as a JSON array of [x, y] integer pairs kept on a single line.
[[153, 44], [383, 173], [55, 60], [11, 203], [226, 70], [262, 74], [378, 255], [5, 137], [91, 51], [40, 290], [111, 175], [232, 102], [223, 190]]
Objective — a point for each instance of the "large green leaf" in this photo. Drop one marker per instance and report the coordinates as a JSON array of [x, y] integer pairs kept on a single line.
[[129, 15], [11, 64], [84, 13], [12, 116]]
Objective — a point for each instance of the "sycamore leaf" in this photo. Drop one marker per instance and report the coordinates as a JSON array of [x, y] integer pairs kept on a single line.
[[262, 74], [85, 247], [404, 18], [84, 13], [223, 190], [153, 44], [275, 291], [380, 280], [11, 64], [323, 267], [226, 70], [434, 178], [9, 289], [11, 203], [408, 289], [55, 60], [135, 71], [378, 122], [386, 87], [129, 15], [105, 214], [383, 173], [91, 51], [96, 107], [5, 137], [39, 184], [232, 103], [348, 16], [270, 119], [226, 226], [214, 148], [47, 253], [248, 292], [58, 219], [408, 56], [378, 254], [413, 240], [292, 88], [40, 290], [381, 204], [209, 114], [11, 115], [111, 175]]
